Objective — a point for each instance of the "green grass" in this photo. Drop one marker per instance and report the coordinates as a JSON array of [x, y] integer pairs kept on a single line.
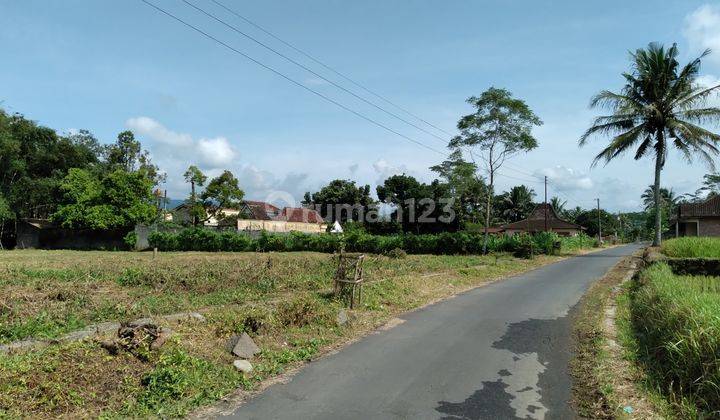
[[676, 328], [692, 247]]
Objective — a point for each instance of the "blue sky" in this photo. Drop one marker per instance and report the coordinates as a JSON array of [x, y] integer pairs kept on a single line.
[[107, 66]]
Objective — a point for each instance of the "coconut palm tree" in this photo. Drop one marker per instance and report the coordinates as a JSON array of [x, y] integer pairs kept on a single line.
[[660, 107], [558, 204], [516, 204], [668, 198], [574, 213]]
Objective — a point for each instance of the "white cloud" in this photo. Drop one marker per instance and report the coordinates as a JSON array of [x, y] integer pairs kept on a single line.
[[147, 126], [707, 81], [173, 152], [215, 152], [566, 179], [702, 30], [208, 153], [385, 170]]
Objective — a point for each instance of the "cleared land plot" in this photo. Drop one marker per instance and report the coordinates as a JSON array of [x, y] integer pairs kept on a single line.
[[281, 300]]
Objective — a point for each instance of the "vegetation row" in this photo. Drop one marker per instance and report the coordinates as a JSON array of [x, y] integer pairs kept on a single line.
[[445, 243]]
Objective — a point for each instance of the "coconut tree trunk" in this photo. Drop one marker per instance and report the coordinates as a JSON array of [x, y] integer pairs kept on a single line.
[[658, 214]]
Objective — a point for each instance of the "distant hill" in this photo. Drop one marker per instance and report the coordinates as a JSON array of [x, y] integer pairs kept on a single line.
[[174, 202]]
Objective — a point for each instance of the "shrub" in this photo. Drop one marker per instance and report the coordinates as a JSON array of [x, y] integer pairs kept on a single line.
[[446, 243], [300, 311], [547, 243], [581, 241], [397, 253], [678, 329], [130, 239]]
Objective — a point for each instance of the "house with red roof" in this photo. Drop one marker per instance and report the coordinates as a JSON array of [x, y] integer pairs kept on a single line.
[[254, 216], [543, 219]]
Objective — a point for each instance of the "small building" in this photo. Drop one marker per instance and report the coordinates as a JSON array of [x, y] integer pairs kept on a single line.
[[289, 219], [181, 215], [255, 216], [697, 219], [543, 218]]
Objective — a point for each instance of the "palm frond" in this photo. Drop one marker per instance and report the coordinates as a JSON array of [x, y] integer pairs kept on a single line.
[[697, 98], [609, 100], [642, 149], [619, 145], [701, 116], [611, 127]]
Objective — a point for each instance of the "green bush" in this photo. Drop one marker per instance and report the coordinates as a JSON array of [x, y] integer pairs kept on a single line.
[[574, 243], [692, 247], [446, 243], [677, 323], [130, 239]]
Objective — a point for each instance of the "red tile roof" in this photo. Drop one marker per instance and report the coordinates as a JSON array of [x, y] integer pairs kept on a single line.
[[536, 220], [707, 208], [300, 214], [262, 211]]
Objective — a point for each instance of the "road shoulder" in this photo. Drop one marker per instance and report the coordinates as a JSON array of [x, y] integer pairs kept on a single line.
[[605, 384]]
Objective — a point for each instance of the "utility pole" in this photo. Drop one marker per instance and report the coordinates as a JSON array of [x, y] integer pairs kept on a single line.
[[599, 224], [546, 205]]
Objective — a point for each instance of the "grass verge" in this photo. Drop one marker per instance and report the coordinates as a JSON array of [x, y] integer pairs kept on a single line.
[[672, 331], [606, 385]]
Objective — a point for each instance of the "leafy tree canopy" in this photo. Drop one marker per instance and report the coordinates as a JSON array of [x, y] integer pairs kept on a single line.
[[500, 127], [340, 192], [119, 200], [222, 192]]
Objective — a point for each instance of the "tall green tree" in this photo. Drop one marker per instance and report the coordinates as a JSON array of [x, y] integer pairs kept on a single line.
[[341, 200], [668, 198], [589, 220], [710, 186], [464, 186], [574, 213], [196, 178], [407, 195], [222, 192], [558, 204], [660, 107], [500, 127], [33, 161], [127, 154], [118, 200]]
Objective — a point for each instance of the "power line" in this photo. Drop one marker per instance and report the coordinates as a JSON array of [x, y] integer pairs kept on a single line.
[[309, 70], [326, 66], [517, 178], [288, 78], [295, 82]]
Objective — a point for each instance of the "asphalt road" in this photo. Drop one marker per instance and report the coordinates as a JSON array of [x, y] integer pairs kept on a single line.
[[499, 351]]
